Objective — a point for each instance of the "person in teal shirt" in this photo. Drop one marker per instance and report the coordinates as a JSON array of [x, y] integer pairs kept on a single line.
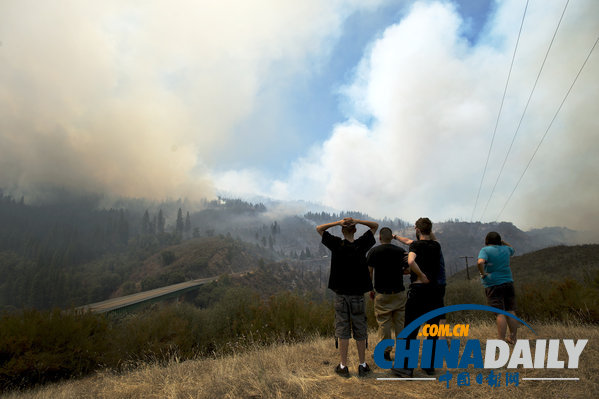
[[496, 276]]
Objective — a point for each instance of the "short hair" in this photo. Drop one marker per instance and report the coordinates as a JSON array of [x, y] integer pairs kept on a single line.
[[386, 234], [349, 229], [493, 238], [424, 225]]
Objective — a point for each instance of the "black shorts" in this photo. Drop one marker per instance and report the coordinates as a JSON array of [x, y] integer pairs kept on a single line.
[[502, 296]]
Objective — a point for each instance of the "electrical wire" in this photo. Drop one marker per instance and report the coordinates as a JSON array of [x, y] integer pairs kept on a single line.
[[548, 127], [525, 109], [499, 113]]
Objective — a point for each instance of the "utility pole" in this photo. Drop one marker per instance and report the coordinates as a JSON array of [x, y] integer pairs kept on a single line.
[[319, 274], [467, 271], [320, 271]]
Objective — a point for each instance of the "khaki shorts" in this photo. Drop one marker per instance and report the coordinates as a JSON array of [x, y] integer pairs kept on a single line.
[[350, 317]]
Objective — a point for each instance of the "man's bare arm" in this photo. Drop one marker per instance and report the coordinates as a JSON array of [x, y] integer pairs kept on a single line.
[[324, 227], [416, 269], [373, 226], [403, 240], [409, 241]]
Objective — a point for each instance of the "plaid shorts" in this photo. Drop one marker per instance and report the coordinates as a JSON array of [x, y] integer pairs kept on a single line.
[[350, 316]]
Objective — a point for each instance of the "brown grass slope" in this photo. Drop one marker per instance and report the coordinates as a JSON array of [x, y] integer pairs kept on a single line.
[[305, 370]]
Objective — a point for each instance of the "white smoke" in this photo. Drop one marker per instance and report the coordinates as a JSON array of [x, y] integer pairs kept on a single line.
[[428, 101], [140, 99]]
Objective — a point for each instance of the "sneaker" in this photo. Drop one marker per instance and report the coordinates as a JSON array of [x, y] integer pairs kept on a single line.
[[403, 372], [430, 371], [343, 372], [363, 371]]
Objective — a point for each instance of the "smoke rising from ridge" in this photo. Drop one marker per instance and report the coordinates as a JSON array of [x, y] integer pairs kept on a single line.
[[141, 100]]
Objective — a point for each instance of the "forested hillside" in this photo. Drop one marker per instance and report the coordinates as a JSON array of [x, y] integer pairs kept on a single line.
[[74, 250]]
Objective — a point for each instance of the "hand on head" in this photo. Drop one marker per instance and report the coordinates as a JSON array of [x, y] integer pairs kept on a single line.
[[348, 222]]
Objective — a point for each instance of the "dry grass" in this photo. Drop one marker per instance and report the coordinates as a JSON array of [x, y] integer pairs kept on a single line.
[[305, 370]]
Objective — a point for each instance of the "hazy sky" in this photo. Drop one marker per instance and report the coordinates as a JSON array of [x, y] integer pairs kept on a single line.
[[384, 106]]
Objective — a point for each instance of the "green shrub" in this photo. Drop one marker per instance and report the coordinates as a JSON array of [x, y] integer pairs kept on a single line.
[[566, 301], [37, 347]]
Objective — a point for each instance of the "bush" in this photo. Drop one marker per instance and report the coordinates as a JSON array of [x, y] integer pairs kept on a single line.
[[38, 347], [566, 301]]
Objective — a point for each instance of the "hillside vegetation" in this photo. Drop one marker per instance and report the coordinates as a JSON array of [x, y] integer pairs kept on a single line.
[[274, 303]]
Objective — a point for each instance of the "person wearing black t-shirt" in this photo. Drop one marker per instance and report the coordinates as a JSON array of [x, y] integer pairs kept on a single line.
[[441, 280], [387, 263], [424, 260], [349, 279]]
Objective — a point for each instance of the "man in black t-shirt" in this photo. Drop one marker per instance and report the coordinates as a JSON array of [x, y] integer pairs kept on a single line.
[[387, 263], [424, 262], [349, 279]]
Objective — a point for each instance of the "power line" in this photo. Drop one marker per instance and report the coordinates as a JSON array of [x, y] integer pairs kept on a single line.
[[499, 113], [525, 109], [549, 127]]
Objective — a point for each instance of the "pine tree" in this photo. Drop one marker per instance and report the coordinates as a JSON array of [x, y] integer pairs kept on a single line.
[[123, 228], [187, 223], [180, 225], [145, 224], [160, 223], [153, 226], [275, 228]]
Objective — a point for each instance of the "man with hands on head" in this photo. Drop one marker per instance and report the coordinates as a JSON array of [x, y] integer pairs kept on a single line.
[[349, 279]]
